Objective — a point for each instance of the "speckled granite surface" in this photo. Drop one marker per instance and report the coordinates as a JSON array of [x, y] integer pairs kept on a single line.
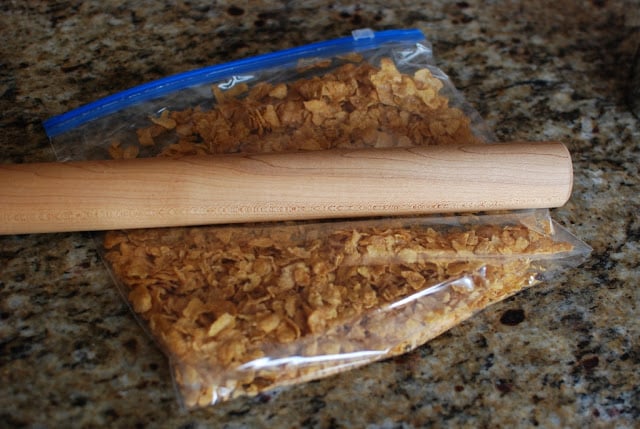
[[563, 354]]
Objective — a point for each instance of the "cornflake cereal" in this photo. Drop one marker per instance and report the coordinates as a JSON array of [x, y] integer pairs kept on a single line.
[[355, 105], [243, 309]]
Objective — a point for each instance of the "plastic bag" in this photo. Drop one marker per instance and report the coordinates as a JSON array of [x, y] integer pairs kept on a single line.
[[243, 309], [372, 89], [246, 308]]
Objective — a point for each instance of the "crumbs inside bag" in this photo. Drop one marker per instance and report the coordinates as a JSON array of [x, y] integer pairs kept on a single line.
[[246, 308], [356, 105], [243, 309]]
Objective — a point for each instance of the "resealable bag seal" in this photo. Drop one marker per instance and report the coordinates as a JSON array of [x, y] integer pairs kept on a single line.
[[243, 309]]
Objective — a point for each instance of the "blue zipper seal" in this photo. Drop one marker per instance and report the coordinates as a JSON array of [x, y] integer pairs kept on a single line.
[[360, 40]]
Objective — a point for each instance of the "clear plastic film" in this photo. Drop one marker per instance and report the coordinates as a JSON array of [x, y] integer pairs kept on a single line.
[[374, 90], [241, 309]]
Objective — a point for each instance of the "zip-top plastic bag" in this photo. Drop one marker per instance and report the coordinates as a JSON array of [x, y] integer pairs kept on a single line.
[[241, 309], [372, 89]]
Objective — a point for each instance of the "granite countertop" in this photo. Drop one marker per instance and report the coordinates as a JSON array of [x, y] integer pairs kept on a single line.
[[562, 354]]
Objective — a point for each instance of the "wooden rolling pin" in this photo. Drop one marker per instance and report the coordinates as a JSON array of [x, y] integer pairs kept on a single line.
[[158, 192]]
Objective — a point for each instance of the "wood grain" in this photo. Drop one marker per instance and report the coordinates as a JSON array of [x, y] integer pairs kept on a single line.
[[159, 192]]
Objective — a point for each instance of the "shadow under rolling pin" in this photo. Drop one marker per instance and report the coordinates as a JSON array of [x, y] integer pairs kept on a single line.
[[162, 192]]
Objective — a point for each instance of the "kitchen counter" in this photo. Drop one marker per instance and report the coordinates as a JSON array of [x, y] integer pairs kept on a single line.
[[562, 354]]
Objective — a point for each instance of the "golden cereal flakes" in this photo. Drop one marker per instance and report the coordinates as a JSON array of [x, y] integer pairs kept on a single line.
[[353, 106], [243, 309]]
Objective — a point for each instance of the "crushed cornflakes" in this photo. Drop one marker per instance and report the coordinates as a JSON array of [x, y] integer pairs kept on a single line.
[[354, 105], [229, 304], [244, 309]]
